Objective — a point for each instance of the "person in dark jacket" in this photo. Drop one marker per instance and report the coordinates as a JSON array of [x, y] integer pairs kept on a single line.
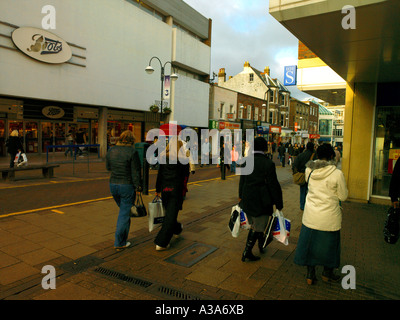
[[299, 164], [14, 145], [258, 193], [394, 188], [282, 152], [125, 181], [170, 187]]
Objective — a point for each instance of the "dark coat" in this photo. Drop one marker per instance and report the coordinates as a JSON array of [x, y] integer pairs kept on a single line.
[[301, 160], [124, 163], [260, 190], [394, 188], [13, 145], [170, 182]]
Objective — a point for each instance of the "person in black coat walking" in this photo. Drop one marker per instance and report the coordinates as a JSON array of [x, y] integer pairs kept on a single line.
[[14, 145], [299, 165], [170, 187], [282, 152], [258, 193]]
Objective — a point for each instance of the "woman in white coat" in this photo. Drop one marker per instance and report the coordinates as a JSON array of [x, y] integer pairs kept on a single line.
[[319, 240]]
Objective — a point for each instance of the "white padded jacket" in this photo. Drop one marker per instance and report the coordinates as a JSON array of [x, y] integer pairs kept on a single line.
[[326, 187]]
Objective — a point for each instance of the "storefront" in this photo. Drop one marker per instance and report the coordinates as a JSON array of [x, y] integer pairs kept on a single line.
[[42, 123], [275, 134], [386, 148]]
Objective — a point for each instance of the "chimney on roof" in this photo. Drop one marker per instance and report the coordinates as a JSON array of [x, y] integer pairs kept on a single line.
[[246, 64], [221, 76], [267, 71]]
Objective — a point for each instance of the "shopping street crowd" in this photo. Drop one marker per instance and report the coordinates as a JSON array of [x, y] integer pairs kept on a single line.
[[322, 189]]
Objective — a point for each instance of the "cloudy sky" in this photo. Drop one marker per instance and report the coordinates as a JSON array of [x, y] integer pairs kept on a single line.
[[243, 30]]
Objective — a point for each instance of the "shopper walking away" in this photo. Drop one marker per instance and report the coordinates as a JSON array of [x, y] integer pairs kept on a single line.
[[170, 187], [299, 165], [337, 156], [14, 145], [69, 141], [205, 153], [319, 240], [80, 139], [234, 159], [125, 182], [258, 193], [282, 151]]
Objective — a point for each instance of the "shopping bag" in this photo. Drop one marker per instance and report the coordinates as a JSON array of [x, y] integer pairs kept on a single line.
[[17, 156], [138, 209], [156, 213], [391, 228], [234, 221], [282, 228], [22, 160], [244, 222], [268, 231]]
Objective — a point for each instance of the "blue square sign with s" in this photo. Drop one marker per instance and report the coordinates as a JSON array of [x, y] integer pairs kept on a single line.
[[290, 76]]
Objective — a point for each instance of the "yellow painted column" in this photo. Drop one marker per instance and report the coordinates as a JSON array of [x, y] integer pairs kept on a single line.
[[358, 139]]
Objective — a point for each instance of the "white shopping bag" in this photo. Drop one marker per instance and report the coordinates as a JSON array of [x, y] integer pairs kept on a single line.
[[156, 214], [282, 228], [234, 221], [244, 222], [23, 160], [17, 157]]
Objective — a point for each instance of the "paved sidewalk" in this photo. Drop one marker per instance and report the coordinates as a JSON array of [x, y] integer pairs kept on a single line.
[[78, 242]]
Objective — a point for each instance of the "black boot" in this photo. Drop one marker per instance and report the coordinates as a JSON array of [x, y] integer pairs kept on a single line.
[[251, 241], [329, 276], [311, 278]]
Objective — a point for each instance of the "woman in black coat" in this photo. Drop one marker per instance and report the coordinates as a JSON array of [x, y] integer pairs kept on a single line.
[[170, 186], [13, 146], [258, 192]]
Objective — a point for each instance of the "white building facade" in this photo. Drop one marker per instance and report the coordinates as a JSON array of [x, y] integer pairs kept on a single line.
[[103, 88]]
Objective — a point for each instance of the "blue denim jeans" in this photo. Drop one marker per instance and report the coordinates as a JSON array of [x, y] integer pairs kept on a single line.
[[124, 196], [303, 195]]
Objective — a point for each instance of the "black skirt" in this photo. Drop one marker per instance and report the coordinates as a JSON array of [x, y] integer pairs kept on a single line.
[[317, 247]]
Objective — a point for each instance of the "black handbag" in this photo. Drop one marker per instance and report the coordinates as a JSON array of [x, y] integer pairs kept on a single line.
[[391, 228], [138, 210]]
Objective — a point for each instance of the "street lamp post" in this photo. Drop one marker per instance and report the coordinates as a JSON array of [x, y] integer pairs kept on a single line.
[[149, 69]]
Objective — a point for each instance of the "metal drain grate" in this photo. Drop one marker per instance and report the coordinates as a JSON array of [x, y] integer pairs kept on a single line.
[[176, 293], [124, 277]]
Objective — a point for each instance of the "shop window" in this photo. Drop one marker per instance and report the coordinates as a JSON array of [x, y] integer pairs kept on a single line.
[[387, 148], [31, 137]]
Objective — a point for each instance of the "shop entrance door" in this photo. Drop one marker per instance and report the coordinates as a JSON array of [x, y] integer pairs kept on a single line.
[[31, 137], [47, 135], [59, 135]]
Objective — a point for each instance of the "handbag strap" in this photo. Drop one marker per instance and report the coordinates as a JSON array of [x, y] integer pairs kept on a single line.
[[309, 175], [139, 200]]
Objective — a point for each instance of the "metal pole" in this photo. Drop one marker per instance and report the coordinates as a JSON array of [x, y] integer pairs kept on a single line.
[[146, 169], [162, 88]]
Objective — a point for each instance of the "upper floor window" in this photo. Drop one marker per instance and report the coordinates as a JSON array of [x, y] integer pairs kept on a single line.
[[251, 77]]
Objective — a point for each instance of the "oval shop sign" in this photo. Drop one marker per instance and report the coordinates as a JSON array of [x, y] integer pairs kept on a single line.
[[41, 45], [53, 112]]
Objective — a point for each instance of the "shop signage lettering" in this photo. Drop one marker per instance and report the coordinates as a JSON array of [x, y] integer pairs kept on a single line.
[[275, 129], [53, 112], [41, 45]]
